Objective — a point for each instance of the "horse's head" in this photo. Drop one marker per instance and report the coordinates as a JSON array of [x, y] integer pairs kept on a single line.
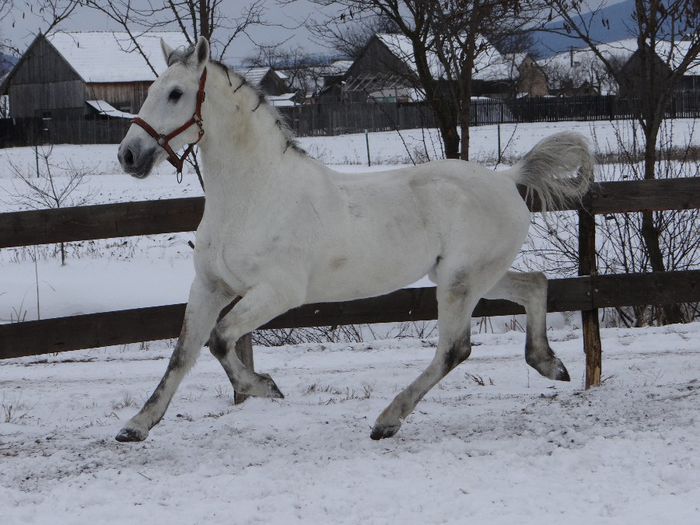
[[170, 118]]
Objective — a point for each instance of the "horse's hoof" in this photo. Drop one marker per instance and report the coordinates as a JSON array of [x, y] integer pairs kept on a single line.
[[562, 373], [127, 435], [273, 390], [384, 431], [552, 369], [262, 386]]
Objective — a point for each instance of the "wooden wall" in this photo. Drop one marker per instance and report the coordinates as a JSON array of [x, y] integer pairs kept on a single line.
[[127, 96], [44, 81]]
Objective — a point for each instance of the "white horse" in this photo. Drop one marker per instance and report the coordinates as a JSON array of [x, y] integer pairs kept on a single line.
[[280, 230]]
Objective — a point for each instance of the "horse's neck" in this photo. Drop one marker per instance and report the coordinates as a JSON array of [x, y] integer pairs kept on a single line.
[[244, 152]]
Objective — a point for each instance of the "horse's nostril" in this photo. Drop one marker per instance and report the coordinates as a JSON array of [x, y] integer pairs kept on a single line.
[[128, 157]]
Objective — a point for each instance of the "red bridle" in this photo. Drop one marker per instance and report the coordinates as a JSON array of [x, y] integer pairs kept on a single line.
[[163, 140]]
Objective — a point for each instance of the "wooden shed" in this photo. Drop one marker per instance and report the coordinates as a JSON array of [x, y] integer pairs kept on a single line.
[[73, 75]]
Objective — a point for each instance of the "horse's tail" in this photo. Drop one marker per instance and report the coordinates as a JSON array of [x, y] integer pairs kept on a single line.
[[559, 168]]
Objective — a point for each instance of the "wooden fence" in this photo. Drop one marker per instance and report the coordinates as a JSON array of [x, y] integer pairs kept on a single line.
[[586, 293]]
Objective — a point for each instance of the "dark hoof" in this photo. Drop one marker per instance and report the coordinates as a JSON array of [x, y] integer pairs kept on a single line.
[[130, 435], [381, 432], [562, 373], [270, 387], [552, 369]]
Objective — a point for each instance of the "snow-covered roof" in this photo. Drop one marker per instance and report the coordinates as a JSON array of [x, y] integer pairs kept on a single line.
[[489, 64], [622, 50], [285, 100], [106, 109], [255, 75], [339, 67], [111, 56]]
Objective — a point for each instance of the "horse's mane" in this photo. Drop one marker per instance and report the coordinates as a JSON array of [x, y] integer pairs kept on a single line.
[[182, 54]]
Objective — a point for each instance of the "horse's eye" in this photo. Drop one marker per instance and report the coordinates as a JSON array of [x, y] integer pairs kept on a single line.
[[175, 95]]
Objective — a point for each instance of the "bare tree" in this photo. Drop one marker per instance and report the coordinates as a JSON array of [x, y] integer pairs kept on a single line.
[[51, 13], [446, 37], [194, 18], [668, 44], [350, 39], [43, 189]]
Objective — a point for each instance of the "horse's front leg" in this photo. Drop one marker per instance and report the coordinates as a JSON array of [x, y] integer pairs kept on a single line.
[[260, 304], [202, 310]]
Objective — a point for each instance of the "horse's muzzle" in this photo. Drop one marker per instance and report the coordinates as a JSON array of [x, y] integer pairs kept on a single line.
[[135, 160]]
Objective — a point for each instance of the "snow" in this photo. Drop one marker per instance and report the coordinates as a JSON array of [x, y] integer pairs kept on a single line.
[[156, 270], [489, 64], [519, 449], [110, 56], [105, 108]]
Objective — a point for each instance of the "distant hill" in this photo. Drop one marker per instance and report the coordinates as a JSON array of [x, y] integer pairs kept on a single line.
[[617, 17], [7, 62]]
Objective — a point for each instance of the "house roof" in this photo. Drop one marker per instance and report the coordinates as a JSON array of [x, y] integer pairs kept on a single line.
[[622, 50], [489, 65], [255, 75], [106, 109], [111, 56]]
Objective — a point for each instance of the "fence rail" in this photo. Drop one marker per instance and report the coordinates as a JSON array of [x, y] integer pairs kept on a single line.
[[126, 219], [586, 293]]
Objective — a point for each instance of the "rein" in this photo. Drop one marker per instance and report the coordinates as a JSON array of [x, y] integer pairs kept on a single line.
[[164, 140]]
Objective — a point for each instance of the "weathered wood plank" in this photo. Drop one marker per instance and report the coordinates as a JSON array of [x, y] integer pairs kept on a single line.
[[413, 304], [652, 195], [646, 288], [164, 322], [100, 221], [590, 322], [178, 215]]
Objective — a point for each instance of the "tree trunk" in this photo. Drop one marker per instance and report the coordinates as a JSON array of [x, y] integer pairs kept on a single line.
[[670, 313], [450, 140]]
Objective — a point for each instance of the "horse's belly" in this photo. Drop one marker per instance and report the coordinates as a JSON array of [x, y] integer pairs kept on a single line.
[[370, 271]]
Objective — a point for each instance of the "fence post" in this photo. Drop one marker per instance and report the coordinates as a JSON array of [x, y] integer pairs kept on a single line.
[[244, 351], [589, 318]]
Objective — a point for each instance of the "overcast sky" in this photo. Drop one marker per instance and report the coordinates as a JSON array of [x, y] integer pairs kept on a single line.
[[286, 26]]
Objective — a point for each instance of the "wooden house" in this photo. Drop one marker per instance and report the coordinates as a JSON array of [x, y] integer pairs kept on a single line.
[[388, 59], [268, 80], [666, 59], [77, 75]]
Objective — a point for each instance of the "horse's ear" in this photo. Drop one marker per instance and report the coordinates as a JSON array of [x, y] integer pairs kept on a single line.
[[201, 52], [167, 51]]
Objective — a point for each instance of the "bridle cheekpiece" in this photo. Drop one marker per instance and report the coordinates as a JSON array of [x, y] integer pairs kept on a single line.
[[164, 140]]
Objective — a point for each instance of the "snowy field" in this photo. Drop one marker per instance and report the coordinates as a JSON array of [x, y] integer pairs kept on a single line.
[[148, 271], [519, 449], [492, 444]]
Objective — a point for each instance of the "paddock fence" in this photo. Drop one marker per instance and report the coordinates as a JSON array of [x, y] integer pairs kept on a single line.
[[586, 293]]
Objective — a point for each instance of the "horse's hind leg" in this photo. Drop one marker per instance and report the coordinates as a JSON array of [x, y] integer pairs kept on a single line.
[[203, 307], [530, 290], [455, 305]]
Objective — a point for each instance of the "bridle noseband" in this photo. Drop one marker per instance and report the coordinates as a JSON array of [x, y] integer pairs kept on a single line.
[[164, 140]]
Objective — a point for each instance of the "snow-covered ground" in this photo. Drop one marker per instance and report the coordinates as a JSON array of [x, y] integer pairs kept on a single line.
[[147, 271], [493, 443], [519, 449]]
